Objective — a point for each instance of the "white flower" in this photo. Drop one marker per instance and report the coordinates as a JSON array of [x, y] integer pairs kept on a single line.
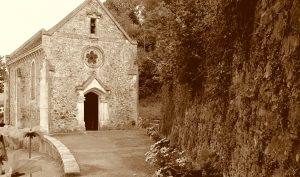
[[158, 172], [164, 150], [181, 161]]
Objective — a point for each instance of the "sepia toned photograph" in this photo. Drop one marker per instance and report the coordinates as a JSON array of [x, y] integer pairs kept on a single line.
[[150, 88]]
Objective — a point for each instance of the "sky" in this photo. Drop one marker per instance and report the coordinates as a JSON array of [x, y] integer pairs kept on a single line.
[[21, 19]]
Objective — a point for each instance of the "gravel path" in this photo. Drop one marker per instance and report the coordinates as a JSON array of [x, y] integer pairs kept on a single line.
[[115, 153]]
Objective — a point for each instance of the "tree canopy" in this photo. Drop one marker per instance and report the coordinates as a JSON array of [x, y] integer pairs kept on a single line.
[[133, 15], [2, 73]]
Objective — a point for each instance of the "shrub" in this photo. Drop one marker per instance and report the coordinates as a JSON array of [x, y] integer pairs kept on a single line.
[[153, 132], [149, 111], [169, 161]]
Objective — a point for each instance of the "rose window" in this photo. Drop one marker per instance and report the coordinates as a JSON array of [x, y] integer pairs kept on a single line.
[[93, 57]]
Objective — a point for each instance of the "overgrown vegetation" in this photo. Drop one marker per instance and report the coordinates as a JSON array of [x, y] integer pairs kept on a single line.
[[2, 73], [229, 72], [149, 111], [170, 161], [135, 17]]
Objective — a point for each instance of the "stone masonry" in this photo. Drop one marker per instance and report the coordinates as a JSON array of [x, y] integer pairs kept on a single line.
[[88, 51]]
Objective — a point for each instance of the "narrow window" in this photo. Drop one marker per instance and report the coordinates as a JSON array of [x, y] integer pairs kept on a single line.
[[16, 84], [32, 91], [93, 26]]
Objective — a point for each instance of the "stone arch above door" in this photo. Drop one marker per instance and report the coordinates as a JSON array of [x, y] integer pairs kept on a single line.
[[93, 84]]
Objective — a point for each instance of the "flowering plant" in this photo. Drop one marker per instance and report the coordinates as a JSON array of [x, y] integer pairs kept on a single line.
[[170, 161]]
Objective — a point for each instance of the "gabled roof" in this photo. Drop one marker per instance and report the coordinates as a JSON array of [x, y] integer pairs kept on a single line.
[[32, 42], [36, 39], [79, 8]]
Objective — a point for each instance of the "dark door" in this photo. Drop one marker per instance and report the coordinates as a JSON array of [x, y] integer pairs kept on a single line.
[[91, 111]]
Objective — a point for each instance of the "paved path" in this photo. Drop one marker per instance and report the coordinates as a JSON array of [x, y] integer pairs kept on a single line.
[[115, 153]]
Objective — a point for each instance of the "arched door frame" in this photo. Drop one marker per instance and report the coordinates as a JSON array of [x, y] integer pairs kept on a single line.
[[93, 85], [92, 105]]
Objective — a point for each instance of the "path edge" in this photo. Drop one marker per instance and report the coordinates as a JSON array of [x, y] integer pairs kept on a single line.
[[57, 150]]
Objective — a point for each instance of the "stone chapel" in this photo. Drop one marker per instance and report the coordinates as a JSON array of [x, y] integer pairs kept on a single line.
[[79, 75]]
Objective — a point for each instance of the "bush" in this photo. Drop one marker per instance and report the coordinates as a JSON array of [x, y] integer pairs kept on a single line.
[[153, 132], [149, 111], [169, 161]]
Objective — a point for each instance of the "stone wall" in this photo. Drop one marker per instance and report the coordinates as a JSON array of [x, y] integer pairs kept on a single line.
[[64, 51], [26, 107], [245, 119]]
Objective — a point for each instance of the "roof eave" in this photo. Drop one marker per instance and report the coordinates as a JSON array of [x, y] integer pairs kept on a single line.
[[19, 51]]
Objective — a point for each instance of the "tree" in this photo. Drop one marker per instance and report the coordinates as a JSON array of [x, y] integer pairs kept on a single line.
[[133, 16], [2, 73]]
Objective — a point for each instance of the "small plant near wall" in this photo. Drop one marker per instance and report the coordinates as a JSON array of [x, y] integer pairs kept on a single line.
[[169, 161], [31, 133], [154, 133]]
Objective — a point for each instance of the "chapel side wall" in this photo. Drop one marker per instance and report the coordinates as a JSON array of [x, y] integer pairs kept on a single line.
[[11, 95], [28, 108], [64, 50]]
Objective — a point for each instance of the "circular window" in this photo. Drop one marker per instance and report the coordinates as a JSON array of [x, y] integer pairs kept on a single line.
[[93, 57]]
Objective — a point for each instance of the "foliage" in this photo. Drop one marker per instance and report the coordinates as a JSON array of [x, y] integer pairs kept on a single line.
[[170, 161], [226, 85], [31, 133], [2, 73], [149, 111], [149, 77], [208, 164], [123, 11], [229, 72], [133, 16], [153, 132]]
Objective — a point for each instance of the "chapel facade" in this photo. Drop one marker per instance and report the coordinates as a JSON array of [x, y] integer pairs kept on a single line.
[[79, 75]]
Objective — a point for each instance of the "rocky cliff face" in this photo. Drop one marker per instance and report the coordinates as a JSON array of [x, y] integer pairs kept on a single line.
[[247, 111]]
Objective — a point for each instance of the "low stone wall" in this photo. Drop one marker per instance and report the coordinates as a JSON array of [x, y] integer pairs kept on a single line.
[[59, 151]]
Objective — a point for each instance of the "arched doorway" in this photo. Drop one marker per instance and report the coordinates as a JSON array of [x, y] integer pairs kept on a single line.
[[91, 111]]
